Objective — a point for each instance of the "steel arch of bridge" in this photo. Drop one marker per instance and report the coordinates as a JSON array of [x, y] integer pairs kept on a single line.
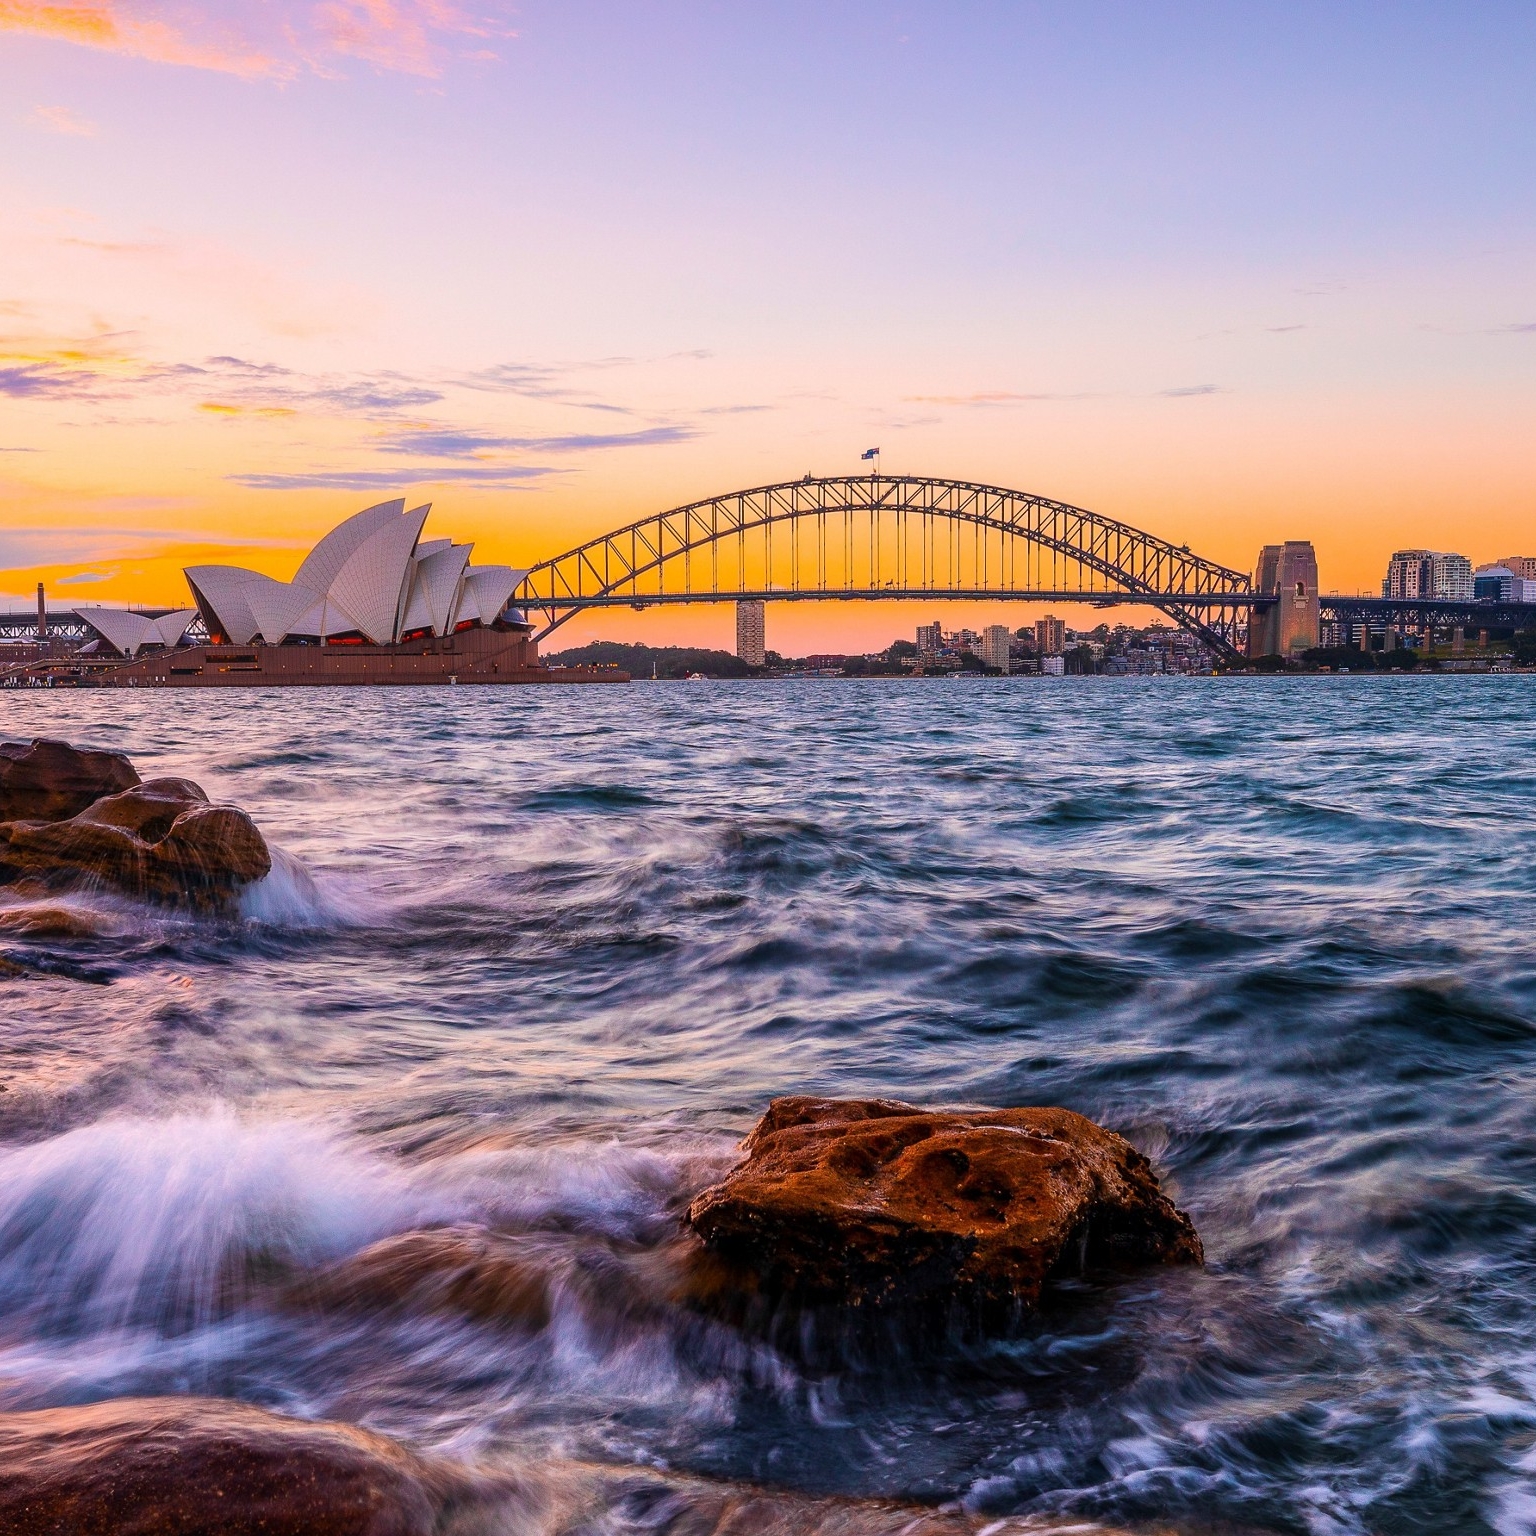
[[675, 556]]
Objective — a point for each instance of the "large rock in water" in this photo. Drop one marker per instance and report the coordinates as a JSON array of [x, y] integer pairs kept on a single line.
[[160, 841], [51, 780], [874, 1204], [196, 1467]]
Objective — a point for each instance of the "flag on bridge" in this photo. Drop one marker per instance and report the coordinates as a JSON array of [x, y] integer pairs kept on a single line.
[[870, 453]]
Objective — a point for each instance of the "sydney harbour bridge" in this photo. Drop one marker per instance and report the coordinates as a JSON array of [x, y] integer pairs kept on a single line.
[[886, 537]]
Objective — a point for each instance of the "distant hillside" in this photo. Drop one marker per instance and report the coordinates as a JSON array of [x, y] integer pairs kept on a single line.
[[638, 660]]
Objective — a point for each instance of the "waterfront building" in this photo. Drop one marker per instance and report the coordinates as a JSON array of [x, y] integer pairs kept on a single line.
[[1496, 583], [995, 640], [1289, 625], [1053, 666], [1428, 573], [128, 634], [369, 581], [930, 639], [1409, 575], [1502, 583], [1050, 635], [1451, 578], [1524, 566], [749, 632]]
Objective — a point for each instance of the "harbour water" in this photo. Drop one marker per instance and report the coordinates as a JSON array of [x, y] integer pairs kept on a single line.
[[535, 958]]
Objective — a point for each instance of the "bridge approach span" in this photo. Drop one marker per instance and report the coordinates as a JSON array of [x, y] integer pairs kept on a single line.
[[881, 537]]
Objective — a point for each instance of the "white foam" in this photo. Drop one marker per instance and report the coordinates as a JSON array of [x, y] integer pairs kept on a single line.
[[288, 896], [132, 1220]]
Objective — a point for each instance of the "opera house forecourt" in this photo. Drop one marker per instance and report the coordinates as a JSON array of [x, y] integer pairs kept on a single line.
[[371, 603]]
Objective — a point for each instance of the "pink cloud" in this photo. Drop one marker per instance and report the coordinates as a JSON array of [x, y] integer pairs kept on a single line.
[[261, 41], [62, 120]]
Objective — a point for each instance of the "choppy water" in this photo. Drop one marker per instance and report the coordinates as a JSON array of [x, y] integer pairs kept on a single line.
[[537, 956]]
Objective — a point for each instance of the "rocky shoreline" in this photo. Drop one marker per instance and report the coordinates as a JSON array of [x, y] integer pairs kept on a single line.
[[73, 819], [853, 1208], [839, 1216]]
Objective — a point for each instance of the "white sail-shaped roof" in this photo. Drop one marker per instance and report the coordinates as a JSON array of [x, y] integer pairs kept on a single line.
[[222, 589], [171, 628], [311, 623], [371, 585], [322, 565], [131, 632], [434, 589], [371, 575], [277, 606], [491, 585], [124, 632]]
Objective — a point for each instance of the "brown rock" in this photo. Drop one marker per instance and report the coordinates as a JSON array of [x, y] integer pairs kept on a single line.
[[158, 841], [463, 1270], [49, 922], [190, 1466], [580, 1498], [51, 780], [874, 1204]]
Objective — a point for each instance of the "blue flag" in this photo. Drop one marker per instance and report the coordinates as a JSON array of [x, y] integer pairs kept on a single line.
[[870, 453]]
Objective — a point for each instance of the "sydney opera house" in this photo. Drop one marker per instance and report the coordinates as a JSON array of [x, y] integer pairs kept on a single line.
[[371, 602]]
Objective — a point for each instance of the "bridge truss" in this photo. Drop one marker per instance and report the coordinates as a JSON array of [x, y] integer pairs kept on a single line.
[[883, 537]]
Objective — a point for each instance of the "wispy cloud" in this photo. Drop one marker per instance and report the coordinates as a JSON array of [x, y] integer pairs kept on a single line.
[[108, 366], [452, 443], [1519, 328], [277, 41], [990, 397], [491, 476], [540, 382], [81, 577], [94, 546], [62, 120], [42, 381], [1184, 391]]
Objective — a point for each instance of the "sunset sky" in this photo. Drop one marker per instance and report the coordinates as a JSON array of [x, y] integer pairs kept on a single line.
[[1233, 273]]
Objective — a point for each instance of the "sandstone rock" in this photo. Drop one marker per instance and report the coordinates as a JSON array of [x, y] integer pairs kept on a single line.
[[158, 841], [875, 1204], [467, 1271], [580, 1499], [51, 780], [49, 922], [190, 1466]]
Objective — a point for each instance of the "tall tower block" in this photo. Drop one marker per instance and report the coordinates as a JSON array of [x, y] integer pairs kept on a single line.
[[1289, 625], [749, 632]]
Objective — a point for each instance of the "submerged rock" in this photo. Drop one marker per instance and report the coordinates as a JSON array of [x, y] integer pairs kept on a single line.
[[581, 1500], [189, 1466], [465, 1271], [873, 1204], [158, 841]]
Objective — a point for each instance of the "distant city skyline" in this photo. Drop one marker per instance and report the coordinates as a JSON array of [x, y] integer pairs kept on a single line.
[[1235, 278]]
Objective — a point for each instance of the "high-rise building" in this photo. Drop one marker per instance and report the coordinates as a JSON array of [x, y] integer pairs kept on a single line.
[[1289, 624], [1451, 576], [930, 639], [1524, 566], [1431, 573], [1050, 635], [749, 632], [994, 646], [1409, 575]]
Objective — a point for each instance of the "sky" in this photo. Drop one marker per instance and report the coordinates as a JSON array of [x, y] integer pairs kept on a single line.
[[1230, 273]]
